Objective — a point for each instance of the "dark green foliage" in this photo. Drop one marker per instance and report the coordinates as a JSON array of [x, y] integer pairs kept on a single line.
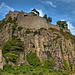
[[66, 66], [49, 19], [30, 70], [33, 45], [20, 28], [71, 67], [48, 64], [62, 24], [34, 73], [33, 59], [56, 38], [36, 12], [2, 24], [46, 46], [13, 29], [12, 49], [40, 73], [14, 20], [10, 19], [37, 32], [45, 16], [53, 30], [28, 31]]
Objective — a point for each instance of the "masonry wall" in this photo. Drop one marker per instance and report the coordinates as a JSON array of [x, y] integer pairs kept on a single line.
[[27, 20]]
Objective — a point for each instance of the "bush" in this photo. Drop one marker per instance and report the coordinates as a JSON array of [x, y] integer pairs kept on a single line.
[[66, 66], [20, 28], [12, 48], [48, 64], [37, 32], [34, 73], [7, 67], [40, 73], [33, 59], [28, 31]]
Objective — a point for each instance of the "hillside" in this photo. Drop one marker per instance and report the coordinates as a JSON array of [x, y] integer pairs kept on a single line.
[[22, 34]]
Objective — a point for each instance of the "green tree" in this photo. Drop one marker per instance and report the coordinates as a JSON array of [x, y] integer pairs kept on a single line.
[[45, 16], [12, 48], [48, 64], [13, 29], [36, 12], [62, 24], [49, 19], [33, 59]]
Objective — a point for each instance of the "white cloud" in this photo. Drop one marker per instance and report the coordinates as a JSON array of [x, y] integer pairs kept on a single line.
[[71, 27], [41, 12], [67, 1], [49, 3], [4, 9]]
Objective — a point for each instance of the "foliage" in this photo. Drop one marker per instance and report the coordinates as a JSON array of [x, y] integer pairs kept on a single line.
[[20, 28], [56, 38], [36, 12], [10, 19], [40, 73], [49, 19], [12, 48], [71, 67], [48, 64], [45, 16], [66, 66], [28, 31], [3, 23], [62, 24], [36, 32], [31, 70], [33, 59], [13, 29]]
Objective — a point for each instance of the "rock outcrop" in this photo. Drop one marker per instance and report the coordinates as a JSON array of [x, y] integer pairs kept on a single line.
[[40, 37]]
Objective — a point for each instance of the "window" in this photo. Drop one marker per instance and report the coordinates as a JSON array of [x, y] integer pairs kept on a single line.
[[25, 15]]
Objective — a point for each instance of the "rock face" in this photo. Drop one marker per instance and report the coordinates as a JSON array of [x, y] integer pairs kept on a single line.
[[38, 36], [1, 61]]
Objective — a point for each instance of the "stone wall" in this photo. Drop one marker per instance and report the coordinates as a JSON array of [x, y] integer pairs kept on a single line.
[[27, 20]]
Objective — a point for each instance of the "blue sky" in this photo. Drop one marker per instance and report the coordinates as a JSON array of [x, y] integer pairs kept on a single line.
[[56, 9]]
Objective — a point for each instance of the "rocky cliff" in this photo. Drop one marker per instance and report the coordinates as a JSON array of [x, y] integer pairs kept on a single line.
[[47, 40]]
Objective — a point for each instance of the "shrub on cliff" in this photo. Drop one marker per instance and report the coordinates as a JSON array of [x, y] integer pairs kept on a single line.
[[12, 48], [48, 64], [33, 59], [49, 19], [65, 65], [62, 24]]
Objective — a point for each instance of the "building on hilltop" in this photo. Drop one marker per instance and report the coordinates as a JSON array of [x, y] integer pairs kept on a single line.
[[29, 20]]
